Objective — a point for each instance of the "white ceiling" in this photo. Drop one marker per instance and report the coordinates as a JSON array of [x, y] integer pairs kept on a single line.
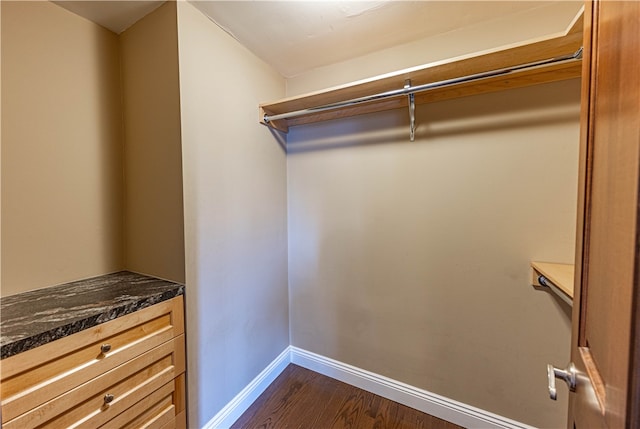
[[296, 36], [115, 15]]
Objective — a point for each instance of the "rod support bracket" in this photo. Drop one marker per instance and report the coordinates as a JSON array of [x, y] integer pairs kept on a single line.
[[412, 111]]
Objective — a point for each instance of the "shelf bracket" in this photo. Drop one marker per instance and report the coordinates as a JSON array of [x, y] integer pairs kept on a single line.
[[412, 111], [557, 278]]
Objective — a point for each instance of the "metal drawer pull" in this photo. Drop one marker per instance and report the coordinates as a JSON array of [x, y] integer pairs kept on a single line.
[[105, 348], [108, 398], [568, 375]]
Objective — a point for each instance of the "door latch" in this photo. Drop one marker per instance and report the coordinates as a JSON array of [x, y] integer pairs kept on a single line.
[[568, 375]]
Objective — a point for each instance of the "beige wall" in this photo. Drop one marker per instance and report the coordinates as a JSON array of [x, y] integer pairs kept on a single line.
[[411, 260], [61, 148], [235, 215], [153, 212]]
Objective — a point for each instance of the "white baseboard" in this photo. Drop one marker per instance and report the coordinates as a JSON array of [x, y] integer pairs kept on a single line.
[[243, 400], [422, 400]]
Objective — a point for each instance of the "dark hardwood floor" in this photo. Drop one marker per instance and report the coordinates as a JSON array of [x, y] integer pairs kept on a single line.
[[304, 399]]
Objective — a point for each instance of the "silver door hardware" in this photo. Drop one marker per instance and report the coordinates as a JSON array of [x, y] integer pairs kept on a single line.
[[568, 375]]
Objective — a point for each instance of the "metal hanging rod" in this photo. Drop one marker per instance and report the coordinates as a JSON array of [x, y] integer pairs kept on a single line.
[[407, 90], [548, 283]]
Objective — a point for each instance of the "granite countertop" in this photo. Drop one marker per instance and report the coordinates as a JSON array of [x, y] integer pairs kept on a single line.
[[34, 318]]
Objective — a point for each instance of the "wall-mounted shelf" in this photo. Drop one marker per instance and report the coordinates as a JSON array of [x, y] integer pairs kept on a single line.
[[557, 277], [558, 45]]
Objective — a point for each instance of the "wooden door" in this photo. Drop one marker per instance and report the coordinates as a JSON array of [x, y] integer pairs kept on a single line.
[[605, 344]]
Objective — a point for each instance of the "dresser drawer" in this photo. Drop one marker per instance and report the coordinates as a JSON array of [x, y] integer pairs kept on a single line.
[[179, 422], [163, 409], [35, 377], [142, 390]]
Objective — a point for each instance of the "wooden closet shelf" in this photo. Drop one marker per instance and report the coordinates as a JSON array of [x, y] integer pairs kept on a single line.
[[556, 45], [560, 275]]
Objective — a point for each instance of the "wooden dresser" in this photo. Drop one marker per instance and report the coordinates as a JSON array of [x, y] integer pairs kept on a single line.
[[128, 372]]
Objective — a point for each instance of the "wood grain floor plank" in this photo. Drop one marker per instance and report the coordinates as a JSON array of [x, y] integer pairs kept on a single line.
[[322, 398], [339, 391], [303, 399], [388, 416], [281, 391], [294, 393], [351, 412]]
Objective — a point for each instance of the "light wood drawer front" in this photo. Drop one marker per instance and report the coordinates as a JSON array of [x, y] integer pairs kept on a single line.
[[133, 384], [158, 411], [34, 377], [179, 422], [156, 416]]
